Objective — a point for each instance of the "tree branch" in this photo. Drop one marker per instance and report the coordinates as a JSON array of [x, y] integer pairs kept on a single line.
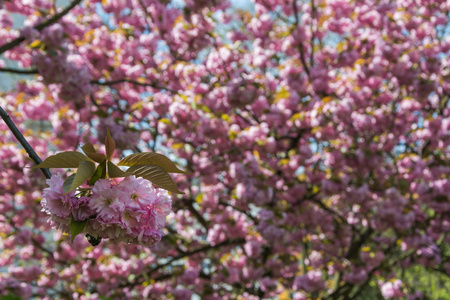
[[118, 81], [18, 71], [313, 16], [301, 48], [39, 27], [233, 242], [31, 153], [189, 204]]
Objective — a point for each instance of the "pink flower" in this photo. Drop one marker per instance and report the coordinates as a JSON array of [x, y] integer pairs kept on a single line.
[[140, 191], [25, 273], [182, 294], [5, 19], [53, 36], [148, 236], [162, 207], [133, 211], [81, 210], [391, 289], [310, 282], [55, 201], [131, 217], [107, 201]]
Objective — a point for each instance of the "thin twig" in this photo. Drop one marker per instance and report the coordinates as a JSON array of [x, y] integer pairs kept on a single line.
[[313, 16], [31, 153], [118, 81]]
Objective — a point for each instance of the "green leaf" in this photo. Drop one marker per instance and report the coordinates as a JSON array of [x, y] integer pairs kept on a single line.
[[100, 173], [150, 158], [68, 183], [110, 145], [92, 154], [88, 147], [403, 185], [10, 296], [67, 159], [114, 171], [85, 170], [157, 175], [76, 228]]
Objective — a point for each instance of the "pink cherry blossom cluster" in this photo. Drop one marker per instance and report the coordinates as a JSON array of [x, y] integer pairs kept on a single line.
[[66, 71], [132, 211]]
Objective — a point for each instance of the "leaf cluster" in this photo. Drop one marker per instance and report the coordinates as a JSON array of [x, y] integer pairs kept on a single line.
[[152, 166]]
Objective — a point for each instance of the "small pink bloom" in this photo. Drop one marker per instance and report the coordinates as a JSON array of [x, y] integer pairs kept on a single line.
[[107, 201], [55, 200], [81, 210], [391, 289]]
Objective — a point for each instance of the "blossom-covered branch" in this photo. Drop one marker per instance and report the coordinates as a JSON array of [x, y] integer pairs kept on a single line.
[[40, 26]]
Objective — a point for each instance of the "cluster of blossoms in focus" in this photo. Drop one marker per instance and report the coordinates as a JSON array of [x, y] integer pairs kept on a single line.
[[132, 211], [123, 206]]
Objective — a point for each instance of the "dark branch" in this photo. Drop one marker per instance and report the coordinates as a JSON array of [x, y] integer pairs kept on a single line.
[[313, 16], [118, 81], [238, 241], [255, 220], [39, 27], [301, 47], [18, 71], [31, 153], [233, 242], [189, 204]]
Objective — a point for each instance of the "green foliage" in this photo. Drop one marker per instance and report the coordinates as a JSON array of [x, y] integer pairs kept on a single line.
[[100, 173], [10, 296], [76, 228], [433, 284], [154, 167], [150, 158], [90, 151], [67, 159], [85, 170], [114, 171], [157, 175], [68, 183], [110, 145]]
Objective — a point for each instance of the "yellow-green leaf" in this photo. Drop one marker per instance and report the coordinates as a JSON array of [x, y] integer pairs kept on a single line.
[[88, 147], [157, 175], [76, 228], [114, 171], [68, 159], [92, 154], [36, 44], [100, 173], [85, 170], [110, 145], [150, 158], [68, 183]]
